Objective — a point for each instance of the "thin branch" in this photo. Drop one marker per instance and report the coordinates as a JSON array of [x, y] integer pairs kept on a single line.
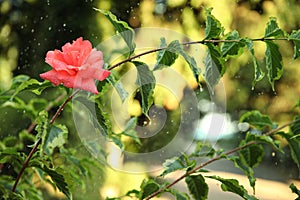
[[34, 149], [186, 43], [271, 132]]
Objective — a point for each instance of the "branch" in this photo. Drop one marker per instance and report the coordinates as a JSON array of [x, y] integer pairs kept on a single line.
[[271, 132], [38, 142]]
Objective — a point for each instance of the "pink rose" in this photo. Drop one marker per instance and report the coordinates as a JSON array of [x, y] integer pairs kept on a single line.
[[76, 66]]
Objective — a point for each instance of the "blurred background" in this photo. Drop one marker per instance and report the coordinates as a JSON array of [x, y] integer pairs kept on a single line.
[[30, 28]]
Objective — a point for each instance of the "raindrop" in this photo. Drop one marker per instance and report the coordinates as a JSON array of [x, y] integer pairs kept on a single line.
[[32, 30], [273, 154], [64, 25], [39, 44], [48, 2], [41, 18], [50, 28], [22, 27]]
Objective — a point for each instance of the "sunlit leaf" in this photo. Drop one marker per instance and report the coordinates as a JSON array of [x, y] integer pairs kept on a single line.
[[273, 62], [232, 185], [256, 119], [56, 137], [179, 195], [272, 29], [129, 130], [258, 73], [213, 26], [42, 126], [126, 32], [214, 66], [197, 186], [146, 83], [171, 165], [147, 188], [167, 56], [234, 46], [118, 86], [295, 37]]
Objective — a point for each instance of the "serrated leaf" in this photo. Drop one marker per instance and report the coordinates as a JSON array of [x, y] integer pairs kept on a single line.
[[232, 185], [129, 130], [258, 73], [148, 187], [56, 137], [295, 190], [32, 85], [256, 119], [42, 122], [118, 86], [167, 56], [295, 37], [273, 62], [214, 65], [232, 48], [213, 26], [264, 139], [243, 165], [146, 83], [252, 155], [272, 29], [197, 186], [171, 165], [126, 32], [59, 180]]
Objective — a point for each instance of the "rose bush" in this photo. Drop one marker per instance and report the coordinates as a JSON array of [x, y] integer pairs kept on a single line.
[[76, 66]]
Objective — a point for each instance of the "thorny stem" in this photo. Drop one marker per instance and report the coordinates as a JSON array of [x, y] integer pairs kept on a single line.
[[271, 132], [38, 142], [188, 43]]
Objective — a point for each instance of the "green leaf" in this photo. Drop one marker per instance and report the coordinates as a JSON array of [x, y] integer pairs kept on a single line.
[[214, 65], [56, 137], [295, 37], [197, 186], [129, 130], [232, 185], [59, 180], [32, 85], [118, 86], [273, 62], [241, 163], [126, 32], [146, 83], [167, 56], [118, 142], [42, 122], [258, 73], [256, 119], [264, 139], [252, 155], [171, 165], [179, 195], [232, 48], [148, 187], [213, 26], [294, 142], [295, 190], [272, 29]]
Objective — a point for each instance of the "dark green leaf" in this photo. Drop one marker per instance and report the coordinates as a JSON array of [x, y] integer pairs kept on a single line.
[[214, 65], [10, 154], [252, 155], [256, 119], [133, 192], [59, 180], [258, 73], [148, 188], [213, 26], [56, 137], [167, 56], [295, 190], [273, 62], [171, 165], [272, 29], [232, 48], [264, 139], [241, 163], [197, 186], [118, 142], [118, 86], [295, 37], [32, 85], [179, 195], [146, 83], [126, 32], [232, 185]]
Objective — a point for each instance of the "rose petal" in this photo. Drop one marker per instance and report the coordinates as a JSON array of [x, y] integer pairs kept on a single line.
[[86, 84]]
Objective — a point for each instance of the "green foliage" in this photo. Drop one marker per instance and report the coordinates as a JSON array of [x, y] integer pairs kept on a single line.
[[197, 186], [179, 195], [122, 28], [272, 29], [118, 86], [232, 185], [256, 119], [295, 37], [146, 83], [213, 27], [147, 188], [295, 190], [232, 48]]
